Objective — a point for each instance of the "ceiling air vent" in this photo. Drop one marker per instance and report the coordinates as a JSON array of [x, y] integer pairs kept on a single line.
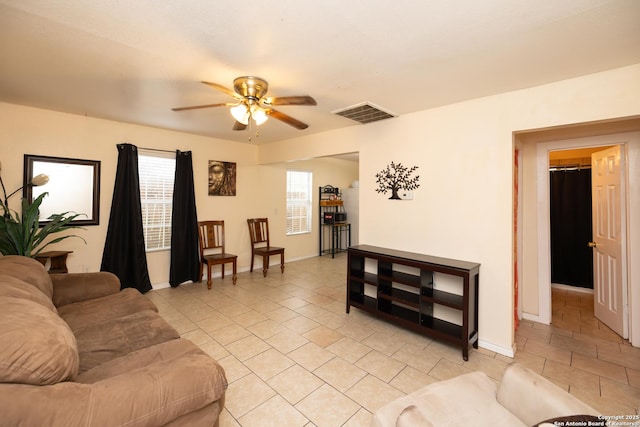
[[364, 112]]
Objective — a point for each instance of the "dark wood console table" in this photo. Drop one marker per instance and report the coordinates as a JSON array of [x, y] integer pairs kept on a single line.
[[403, 288], [58, 260]]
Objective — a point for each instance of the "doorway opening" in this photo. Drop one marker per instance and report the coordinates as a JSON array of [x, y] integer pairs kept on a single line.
[[596, 144], [571, 222], [532, 265]]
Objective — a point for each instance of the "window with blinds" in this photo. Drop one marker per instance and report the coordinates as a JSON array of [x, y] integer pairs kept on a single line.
[[156, 172], [298, 202]]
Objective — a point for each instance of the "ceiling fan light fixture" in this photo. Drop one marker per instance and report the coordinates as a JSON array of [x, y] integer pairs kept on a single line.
[[240, 112], [259, 115], [252, 104], [250, 87], [243, 113]]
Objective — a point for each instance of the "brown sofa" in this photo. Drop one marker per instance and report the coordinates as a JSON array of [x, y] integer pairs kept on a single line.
[[75, 350]]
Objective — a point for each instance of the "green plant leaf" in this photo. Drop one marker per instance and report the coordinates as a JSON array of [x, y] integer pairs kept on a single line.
[[23, 235]]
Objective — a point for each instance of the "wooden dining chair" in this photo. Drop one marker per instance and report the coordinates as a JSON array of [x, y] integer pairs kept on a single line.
[[212, 250], [260, 245]]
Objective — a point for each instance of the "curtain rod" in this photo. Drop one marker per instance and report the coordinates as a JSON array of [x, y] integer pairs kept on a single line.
[[157, 149]]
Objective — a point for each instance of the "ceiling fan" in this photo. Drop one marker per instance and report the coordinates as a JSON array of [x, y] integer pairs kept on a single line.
[[251, 103]]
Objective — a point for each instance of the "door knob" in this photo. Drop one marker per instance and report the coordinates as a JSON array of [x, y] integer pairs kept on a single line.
[[592, 244]]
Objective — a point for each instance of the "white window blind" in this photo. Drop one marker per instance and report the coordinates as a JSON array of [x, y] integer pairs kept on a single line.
[[157, 171], [298, 202]]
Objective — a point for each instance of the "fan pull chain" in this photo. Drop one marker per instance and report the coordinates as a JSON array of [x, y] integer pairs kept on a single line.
[[250, 126]]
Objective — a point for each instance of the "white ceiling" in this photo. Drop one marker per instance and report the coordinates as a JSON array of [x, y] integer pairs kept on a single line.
[[132, 61]]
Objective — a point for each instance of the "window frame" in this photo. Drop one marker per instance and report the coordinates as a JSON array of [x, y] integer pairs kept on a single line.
[[289, 229], [166, 202]]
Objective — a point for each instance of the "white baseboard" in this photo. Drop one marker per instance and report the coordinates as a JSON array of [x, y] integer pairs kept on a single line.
[[301, 258], [533, 318], [163, 285], [505, 351]]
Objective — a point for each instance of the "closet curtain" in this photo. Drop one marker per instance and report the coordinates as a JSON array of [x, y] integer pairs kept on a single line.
[[124, 252], [571, 230], [185, 258]]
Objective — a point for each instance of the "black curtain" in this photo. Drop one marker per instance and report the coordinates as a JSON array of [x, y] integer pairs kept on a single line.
[[124, 252], [185, 258], [571, 258]]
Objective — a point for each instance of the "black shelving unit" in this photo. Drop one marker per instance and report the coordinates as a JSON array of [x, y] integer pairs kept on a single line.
[[411, 299], [334, 231]]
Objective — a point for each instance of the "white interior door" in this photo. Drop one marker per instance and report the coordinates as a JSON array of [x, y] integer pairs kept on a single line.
[[609, 239]]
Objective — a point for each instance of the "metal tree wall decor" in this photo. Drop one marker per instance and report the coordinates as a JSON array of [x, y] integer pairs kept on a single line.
[[396, 177]]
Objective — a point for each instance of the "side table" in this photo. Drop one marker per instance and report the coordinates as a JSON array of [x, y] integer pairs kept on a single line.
[[58, 260]]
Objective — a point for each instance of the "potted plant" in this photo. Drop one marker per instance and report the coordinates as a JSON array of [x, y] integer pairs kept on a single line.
[[22, 234]]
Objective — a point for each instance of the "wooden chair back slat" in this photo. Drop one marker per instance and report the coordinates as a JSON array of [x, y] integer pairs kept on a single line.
[[260, 244], [259, 230], [211, 239], [211, 235]]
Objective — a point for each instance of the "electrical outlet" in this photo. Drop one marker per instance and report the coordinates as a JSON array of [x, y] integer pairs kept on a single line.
[[406, 195]]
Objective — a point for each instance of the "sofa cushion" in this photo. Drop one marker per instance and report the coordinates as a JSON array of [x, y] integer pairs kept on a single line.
[[138, 359], [13, 287], [466, 400], [412, 417], [36, 346], [29, 270], [520, 383], [159, 393], [99, 310], [207, 416], [106, 341], [75, 287], [184, 393]]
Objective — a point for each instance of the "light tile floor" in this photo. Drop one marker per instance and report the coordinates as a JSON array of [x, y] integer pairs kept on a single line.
[[293, 357]]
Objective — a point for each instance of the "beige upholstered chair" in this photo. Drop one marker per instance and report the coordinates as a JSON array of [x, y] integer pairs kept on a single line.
[[522, 399]]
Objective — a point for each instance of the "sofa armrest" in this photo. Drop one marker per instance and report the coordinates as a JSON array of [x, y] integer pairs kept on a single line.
[[75, 287], [152, 396], [533, 398]]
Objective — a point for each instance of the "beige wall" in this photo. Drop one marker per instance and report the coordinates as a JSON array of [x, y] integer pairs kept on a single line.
[[260, 189], [464, 151], [326, 171]]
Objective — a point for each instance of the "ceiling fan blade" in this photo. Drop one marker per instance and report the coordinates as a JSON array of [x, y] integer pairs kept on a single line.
[[239, 126], [287, 119], [195, 107], [290, 100], [223, 89]]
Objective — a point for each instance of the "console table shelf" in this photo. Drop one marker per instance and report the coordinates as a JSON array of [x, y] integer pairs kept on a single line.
[[420, 292], [402, 297]]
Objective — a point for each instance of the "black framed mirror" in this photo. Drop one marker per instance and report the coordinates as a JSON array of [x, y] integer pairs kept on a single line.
[[73, 186]]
